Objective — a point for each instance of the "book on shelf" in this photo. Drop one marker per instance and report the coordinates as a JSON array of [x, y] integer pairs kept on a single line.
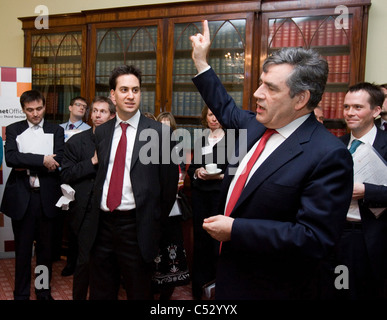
[[308, 32]]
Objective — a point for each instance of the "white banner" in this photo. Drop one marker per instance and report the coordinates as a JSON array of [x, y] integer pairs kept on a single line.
[[13, 82]]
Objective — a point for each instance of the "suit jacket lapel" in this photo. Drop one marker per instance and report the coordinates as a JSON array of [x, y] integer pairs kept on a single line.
[[142, 125], [289, 149], [380, 143], [108, 134]]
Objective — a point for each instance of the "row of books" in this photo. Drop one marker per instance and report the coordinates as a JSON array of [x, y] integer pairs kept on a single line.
[[127, 39], [147, 67], [184, 70], [190, 103], [226, 34], [338, 132], [300, 32], [59, 73], [339, 68], [58, 102], [68, 44], [332, 104]]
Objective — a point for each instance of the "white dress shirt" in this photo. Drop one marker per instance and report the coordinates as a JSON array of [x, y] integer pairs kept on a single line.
[[273, 143], [369, 137], [35, 129], [128, 201]]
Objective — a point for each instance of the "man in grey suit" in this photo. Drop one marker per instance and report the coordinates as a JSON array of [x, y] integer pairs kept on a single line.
[[31, 191], [129, 230]]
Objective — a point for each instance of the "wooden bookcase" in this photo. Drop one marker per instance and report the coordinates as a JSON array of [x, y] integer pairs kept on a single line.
[[78, 51], [337, 33], [58, 59]]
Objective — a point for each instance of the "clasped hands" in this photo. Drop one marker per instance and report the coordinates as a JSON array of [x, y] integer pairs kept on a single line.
[[50, 163]]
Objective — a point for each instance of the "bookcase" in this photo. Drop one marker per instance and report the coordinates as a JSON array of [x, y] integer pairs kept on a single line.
[[229, 44], [57, 58], [77, 53], [338, 34], [132, 46]]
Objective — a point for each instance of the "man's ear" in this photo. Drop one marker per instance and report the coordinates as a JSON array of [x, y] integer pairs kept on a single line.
[[377, 111], [112, 97], [302, 99]]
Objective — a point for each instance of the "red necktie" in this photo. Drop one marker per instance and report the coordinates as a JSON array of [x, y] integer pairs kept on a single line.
[[240, 183], [71, 126], [117, 178]]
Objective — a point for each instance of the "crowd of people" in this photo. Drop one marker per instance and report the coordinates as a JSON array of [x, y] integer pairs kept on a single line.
[[282, 210]]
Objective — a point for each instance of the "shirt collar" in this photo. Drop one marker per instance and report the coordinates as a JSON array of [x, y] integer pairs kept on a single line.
[[287, 130], [76, 124], [40, 124], [369, 137], [133, 121]]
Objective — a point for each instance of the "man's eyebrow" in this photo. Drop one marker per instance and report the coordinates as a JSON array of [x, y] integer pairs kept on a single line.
[[269, 84]]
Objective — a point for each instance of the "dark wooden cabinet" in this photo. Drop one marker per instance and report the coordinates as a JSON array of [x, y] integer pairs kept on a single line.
[[77, 53]]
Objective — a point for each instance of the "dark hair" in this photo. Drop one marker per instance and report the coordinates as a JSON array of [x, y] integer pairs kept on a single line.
[[376, 94], [170, 117], [310, 72], [30, 96], [149, 115], [384, 85], [72, 101], [112, 107], [122, 70]]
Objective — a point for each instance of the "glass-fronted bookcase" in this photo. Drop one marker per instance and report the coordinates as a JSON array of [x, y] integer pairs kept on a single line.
[[56, 70], [334, 36], [77, 53]]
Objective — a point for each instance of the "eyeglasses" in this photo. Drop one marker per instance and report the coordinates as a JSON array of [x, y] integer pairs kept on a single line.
[[78, 104]]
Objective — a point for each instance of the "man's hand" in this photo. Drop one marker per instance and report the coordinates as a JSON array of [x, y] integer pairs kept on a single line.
[[94, 159], [358, 191], [50, 163], [200, 47], [219, 227]]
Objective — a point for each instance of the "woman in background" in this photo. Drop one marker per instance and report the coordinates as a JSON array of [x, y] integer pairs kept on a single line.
[[171, 268], [205, 188]]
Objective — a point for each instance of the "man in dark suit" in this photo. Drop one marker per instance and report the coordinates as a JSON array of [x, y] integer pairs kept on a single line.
[[290, 213], [79, 167], [32, 190], [363, 245], [130, 225]]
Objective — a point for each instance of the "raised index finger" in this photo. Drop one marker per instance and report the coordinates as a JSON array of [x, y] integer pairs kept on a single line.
[[206, 30]]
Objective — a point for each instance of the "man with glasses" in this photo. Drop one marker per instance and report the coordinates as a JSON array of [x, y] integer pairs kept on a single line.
[[78, 107]]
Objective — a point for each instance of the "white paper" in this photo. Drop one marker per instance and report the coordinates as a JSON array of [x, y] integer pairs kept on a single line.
[[69, 133], [68, 196], [369, 167], [35, 141]]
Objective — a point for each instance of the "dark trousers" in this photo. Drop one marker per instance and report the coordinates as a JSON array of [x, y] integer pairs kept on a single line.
[[116, 256], [34, 226], [205, 248], [352, 252], [85, 237]]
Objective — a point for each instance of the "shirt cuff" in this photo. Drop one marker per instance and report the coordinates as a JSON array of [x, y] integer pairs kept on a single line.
[[206, 69]]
